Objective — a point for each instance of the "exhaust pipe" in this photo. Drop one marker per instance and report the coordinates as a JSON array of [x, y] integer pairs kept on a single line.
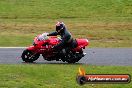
[[83, 54]]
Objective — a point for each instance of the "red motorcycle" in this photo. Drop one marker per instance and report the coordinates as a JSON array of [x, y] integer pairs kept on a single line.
[[43, 45]]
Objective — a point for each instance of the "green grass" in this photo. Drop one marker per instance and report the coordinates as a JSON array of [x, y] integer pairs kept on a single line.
[[65, 9], [106, 23], [55, 75], [99, 34]]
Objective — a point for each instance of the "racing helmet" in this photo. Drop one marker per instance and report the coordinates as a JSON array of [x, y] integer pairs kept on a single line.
[[60, 26]]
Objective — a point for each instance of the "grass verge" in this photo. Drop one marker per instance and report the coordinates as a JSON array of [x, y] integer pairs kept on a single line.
[[55, 75], [106, 23], [100, 34]]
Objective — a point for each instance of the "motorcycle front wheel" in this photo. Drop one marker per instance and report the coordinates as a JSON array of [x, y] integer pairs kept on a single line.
[[29, 56]]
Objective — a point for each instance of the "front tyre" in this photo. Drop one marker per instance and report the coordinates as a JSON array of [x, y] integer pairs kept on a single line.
[[29, 56]]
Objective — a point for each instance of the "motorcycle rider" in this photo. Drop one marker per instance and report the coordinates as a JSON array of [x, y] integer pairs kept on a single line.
[[66, 36]]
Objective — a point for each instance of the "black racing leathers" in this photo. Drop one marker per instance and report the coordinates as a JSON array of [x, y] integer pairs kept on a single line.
[[66, 39]]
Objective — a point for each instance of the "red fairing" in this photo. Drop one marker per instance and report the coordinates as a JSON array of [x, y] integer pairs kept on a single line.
[[43, 44], [31, 48], [40, 46], [53, 40], [82, 42]]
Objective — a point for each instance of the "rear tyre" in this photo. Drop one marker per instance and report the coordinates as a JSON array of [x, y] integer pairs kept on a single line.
[[71, 61], [29, 56], [75, 58]]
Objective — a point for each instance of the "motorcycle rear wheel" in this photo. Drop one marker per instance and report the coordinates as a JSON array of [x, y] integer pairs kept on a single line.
[[71, 61], [29, 56]]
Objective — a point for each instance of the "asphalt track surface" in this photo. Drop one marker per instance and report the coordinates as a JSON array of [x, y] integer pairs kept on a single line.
[[95, 56]]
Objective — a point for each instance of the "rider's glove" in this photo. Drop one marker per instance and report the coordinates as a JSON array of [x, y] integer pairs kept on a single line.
[[45, 34], [40, 37]]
